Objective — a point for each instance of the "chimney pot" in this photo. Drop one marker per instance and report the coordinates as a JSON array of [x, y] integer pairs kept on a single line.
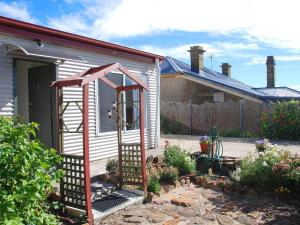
[[196, 54], [270, 71], [226, 69]]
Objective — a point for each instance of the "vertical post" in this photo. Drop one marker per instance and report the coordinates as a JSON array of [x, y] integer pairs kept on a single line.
[[191, 118], [142, 137], [59, 102], [241, 115], [86, 155], [59, 138], [119, 130]]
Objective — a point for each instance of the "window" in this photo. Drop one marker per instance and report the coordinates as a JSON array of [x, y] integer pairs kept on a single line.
[[218, 97], [107, 96]]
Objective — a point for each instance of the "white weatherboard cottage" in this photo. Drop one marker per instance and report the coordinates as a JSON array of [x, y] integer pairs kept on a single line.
[[33, 56]]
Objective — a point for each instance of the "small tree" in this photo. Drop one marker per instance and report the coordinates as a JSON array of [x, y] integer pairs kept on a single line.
[[27, 172]]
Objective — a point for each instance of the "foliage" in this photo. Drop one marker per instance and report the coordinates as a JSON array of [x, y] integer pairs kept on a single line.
[[154, 185], [169, 175], [272, 170], [235, 175], [204, 139], [111, 166], [262, 145], [237, 133], [176, 157], [282, 121], [170, 127], [27, 172]]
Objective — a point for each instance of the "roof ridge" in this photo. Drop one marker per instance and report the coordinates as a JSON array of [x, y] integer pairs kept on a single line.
[[173, 64], [214, 76]]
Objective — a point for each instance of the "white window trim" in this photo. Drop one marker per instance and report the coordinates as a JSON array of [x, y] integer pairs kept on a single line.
[[97, 108]]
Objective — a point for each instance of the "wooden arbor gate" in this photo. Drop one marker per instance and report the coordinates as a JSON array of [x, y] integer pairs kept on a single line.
[[76, 185]]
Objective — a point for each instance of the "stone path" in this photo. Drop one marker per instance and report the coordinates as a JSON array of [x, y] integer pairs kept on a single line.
[[192, 205]]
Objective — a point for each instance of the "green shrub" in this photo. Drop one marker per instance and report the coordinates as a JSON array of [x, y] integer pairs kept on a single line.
[[154, 185], [27, 172], [169, 175], [282, 121], [112, 166], [176, 157], [171, 127], [271, 170], [237, 133]]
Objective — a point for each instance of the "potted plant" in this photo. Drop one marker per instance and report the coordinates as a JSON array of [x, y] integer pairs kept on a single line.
[[204, 144]]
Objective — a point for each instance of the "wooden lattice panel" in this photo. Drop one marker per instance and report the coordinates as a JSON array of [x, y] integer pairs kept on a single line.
[[72, 184], [131, 164]]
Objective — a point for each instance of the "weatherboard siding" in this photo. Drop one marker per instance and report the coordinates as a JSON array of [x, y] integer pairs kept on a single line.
[[102, 145], [6, 86]]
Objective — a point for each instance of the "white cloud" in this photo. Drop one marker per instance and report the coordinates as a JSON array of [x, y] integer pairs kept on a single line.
[[217, 49], [17, 11], [262, 59], [257, 60], [268, 21], [71, 23]]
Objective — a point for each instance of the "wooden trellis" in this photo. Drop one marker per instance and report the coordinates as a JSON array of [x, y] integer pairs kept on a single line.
[[132, 159], [131, 164], [72, 184]]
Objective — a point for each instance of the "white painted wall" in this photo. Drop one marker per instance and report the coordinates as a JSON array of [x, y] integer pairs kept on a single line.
[[103, 145]]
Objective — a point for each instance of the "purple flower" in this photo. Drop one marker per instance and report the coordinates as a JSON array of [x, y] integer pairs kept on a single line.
[[204, 139], [261, 145]]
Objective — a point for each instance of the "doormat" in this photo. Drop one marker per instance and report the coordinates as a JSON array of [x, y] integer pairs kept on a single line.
[[108, 202]]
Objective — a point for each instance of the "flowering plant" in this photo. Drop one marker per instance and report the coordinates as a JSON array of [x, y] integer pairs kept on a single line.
[[262, 145], [204, 139], [281, 120], [274, 169], [282, 189]]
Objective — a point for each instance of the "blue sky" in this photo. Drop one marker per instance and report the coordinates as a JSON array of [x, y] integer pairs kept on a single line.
[[240, 32]]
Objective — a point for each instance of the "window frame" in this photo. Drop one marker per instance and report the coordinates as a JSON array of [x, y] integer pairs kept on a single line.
[[98, 105], [219, 97]]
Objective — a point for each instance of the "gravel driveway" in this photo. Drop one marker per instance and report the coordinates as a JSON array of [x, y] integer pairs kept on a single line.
[[235, 147]]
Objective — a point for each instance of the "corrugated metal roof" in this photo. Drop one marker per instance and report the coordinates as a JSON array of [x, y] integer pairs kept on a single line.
[[172, 65], [24, 29], [281, 92]]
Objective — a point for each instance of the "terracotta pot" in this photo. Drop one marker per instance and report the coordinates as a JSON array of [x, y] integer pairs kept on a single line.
[[205, 147]]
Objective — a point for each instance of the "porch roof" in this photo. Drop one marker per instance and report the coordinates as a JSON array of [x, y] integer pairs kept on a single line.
[[95, 73]]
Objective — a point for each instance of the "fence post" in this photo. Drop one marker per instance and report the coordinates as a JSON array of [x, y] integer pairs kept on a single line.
[[241, 116], [191, 118]]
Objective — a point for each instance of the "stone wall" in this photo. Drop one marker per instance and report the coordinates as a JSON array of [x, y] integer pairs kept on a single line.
[[185, 91]]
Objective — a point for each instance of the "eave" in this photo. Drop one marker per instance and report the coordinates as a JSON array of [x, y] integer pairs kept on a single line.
[[35, 32]]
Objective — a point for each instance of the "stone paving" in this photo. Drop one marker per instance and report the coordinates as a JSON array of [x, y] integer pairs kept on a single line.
[[196, 205]]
